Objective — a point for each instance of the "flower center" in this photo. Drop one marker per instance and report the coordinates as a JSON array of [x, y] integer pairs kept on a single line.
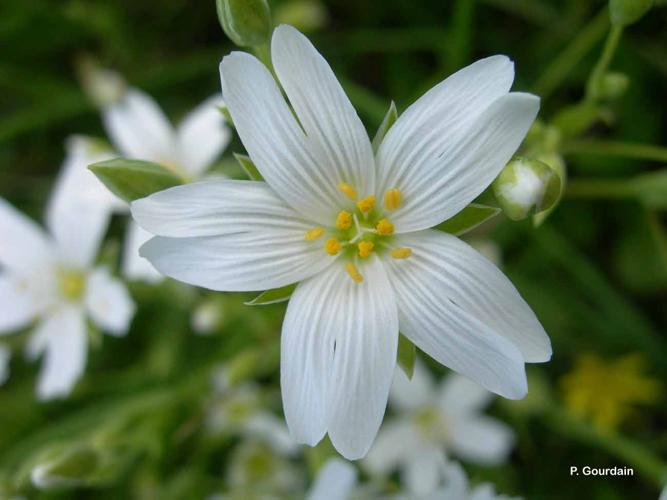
[[360, 229], [429, 423], [71, 283]]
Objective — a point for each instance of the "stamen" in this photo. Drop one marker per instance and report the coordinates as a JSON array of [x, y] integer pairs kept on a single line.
[[344, 220], [332, 246], [384, 227], [401, 253], [313, 234], [392, 199], [365, 249], [348, 190], [354, 272], [365, 205]]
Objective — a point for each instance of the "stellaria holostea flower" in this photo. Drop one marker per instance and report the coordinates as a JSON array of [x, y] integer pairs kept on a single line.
[[353, 228], [50, 277], [431, 420]]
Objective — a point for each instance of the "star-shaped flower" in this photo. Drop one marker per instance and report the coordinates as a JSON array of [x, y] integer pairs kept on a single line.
[[51, 278], [431, 420], [353, 228]]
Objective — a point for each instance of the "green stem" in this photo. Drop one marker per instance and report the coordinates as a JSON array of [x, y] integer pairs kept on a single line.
[[634, 454], [610, 46], [658, 233], [615, 148], [573, 53]]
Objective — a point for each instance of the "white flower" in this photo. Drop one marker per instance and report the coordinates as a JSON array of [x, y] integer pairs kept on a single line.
[[456, 486], [5, 357], [432, 420], [50, 277], [239, 410], [335, 481], [140, 130], [353, 229]]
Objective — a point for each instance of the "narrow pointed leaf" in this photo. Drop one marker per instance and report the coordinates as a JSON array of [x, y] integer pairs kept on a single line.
[[388, 120], [407, 353], [468, 218], [273, 296], [134, 179], [248, 167]]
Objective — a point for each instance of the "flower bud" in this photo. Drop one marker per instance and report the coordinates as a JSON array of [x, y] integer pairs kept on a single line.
[[65, 467], [247, 23], [625, 12], [207, 316], [102, 85], [612, 85], [526, 186]]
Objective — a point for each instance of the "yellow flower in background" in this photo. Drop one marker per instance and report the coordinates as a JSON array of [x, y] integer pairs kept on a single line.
[[606, 391]]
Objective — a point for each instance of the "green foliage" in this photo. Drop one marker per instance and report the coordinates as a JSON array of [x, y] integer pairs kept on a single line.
[[407, 354], [468, 219], [134, 179], [625, 12]]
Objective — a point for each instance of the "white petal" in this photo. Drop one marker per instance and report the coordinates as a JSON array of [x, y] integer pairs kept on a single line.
[[80, 206], [260, 242], [5, 357], [23, 245], [326, 114], [338, 354], [334, 481], [202, 136], [62, 337], [461, 396], [453, 171], [396, 442], [139, 129], [18, 303], [411, 394], [481, 439], [482, 290], [422, 472], [275, 141], [440, 116], [272, 430], [215, 207], [455, 482], [108, 302], [445, 331], [136, 267]]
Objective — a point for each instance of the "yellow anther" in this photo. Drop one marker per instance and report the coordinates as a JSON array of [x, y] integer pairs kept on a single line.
[[401, 253], [313, 234], [354, 272], [365, 249], [392, 199], [366, 204], [344, 220], [384, 227], [348, 190], [332, 246]]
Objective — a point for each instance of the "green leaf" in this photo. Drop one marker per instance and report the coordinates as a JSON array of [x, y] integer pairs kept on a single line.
[[273, 296], [389, 119], [407, 353], [625, 12], [468, 218], [248, 167], [651, 189], [134, 179]]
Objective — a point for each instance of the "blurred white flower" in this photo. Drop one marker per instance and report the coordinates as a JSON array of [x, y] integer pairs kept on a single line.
[[207, 316], [455, 486], [51, 278], [335, 481], [365, 267], [434, 419], [140, 130], [5, 357], [241, 410], [256, 471]]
